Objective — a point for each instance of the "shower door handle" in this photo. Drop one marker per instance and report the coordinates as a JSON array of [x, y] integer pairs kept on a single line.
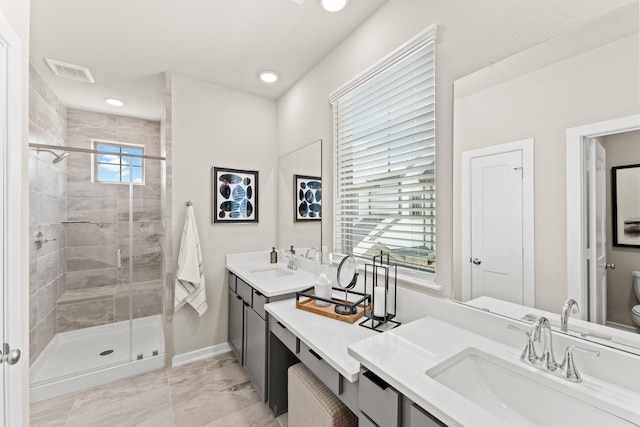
[[9, 356], [119, 258]]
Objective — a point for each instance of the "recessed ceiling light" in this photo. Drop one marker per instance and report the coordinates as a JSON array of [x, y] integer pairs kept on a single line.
[[269, 77], [113, 101], [334, 5]]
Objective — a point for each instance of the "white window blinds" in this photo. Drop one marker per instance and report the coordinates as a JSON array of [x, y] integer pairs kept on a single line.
[[384, 159]]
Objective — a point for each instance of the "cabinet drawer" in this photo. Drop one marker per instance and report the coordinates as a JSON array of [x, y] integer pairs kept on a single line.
[[244, 290], [418, 417], [364, 421], [259, 301], [378, 400], [284, 335], [329, 376], [232, 281]]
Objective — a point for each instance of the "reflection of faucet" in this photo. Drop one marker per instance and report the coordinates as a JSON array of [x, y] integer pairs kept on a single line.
[[312, 251], [546, 359], [569, 305], [291, 256]]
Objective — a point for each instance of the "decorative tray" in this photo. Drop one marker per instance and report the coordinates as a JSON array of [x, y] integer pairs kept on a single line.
[[305, 300]]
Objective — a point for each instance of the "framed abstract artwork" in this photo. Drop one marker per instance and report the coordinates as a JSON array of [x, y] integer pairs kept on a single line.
[[307, 198], [625, 204], [235, 195]]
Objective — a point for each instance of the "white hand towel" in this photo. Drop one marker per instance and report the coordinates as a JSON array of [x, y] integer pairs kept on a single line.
[[189, 285]]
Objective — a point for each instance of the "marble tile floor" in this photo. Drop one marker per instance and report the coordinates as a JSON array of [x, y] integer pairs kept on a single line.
[[214, 392]]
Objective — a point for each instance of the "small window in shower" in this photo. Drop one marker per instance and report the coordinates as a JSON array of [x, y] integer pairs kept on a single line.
[[118, 163]]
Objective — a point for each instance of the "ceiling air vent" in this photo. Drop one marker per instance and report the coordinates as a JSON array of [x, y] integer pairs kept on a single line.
[[70, 71]]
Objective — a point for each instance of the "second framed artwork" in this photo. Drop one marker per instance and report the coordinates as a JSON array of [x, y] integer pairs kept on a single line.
[[307, 198], [625, 186], [235, 195]]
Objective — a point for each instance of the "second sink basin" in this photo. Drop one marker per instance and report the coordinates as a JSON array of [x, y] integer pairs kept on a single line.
[[516, 394]]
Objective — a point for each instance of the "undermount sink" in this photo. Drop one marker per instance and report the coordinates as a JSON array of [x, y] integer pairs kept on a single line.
[[271, 272], [516, 394]]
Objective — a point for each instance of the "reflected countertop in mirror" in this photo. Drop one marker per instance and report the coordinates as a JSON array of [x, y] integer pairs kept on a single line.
[[600, 334], [589, 75]]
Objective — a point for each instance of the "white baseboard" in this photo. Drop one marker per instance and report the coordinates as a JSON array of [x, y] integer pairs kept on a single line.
[[202, 353]]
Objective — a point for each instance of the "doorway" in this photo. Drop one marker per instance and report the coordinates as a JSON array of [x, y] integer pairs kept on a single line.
[[497, 217], [588, 266]]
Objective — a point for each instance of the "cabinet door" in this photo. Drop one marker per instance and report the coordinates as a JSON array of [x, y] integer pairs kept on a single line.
[[236, 325], [256, 348]]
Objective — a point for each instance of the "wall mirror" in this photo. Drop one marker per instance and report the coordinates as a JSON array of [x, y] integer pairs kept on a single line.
[[299, 198], [512, 253]]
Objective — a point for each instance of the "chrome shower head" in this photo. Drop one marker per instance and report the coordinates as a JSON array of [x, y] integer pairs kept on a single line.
[[57, 157], [60, 157]]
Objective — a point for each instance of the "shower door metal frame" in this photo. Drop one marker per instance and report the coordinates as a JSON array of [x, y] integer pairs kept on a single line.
[[132, 356]]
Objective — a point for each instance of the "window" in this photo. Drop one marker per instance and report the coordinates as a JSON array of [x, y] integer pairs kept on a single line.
[[118, 163], [384, 159]]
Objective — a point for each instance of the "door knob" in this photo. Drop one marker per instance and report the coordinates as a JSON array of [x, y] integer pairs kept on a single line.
[[10, 356], [476, 261], [611, 266]]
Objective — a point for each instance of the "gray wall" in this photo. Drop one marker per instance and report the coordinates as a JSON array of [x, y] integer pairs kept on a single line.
[[622, 149], [217, 126], [47, 200], [471, 35]]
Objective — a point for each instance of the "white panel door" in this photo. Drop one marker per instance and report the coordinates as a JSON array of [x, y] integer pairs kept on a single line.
[[497, 227], [3, 204], [11, 379], [597, 212]]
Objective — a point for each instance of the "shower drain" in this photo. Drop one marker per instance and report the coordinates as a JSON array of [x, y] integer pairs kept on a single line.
[[106, 352]]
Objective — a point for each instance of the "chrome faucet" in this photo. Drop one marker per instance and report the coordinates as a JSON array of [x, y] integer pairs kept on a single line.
[[543, 327], [546, 362], [569, 305]]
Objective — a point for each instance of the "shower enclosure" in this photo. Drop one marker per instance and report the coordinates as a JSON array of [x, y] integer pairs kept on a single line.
[[97, 239]]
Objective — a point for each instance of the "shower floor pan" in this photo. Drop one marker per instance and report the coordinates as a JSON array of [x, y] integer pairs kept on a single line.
[[88, 357]]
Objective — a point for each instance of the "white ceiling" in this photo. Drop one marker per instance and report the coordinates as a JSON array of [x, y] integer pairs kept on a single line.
[[129, 44]]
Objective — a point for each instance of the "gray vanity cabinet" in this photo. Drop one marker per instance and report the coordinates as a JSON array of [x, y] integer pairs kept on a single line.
[[248, 329], [247, 332], [236, 324], [381, 405], [255, 344]]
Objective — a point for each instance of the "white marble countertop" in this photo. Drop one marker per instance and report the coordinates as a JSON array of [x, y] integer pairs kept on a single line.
[[327, 337], [401, 357], [250, 267]]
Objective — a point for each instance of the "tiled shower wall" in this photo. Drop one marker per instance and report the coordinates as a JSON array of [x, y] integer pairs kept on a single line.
[[47, 200], [97, 290]]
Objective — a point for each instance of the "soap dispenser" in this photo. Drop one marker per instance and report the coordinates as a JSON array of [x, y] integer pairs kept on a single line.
[[274, 256]]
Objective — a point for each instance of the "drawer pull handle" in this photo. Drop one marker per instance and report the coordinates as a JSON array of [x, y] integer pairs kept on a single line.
[[258, 293], [246, 304], [316, 355], [382, 384], [238, 297], [281, 325]]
